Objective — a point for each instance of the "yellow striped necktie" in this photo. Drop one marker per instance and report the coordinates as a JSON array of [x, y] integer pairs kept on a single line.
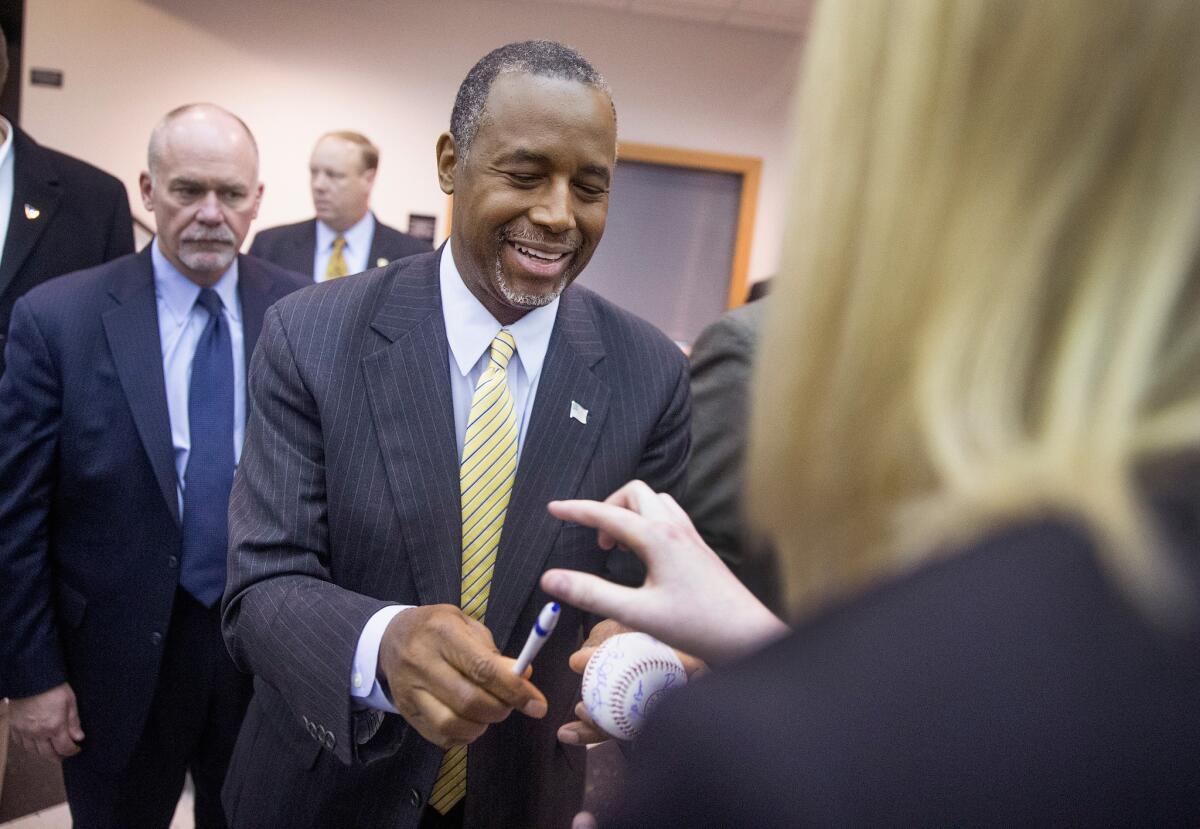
[[337, 266], [489, 464]]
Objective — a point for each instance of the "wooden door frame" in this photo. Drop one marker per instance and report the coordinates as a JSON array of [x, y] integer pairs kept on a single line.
[[750, 170]]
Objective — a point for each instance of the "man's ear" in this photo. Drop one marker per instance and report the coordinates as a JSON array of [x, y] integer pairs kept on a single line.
[[258, 194], [447, 159], [146, 188]]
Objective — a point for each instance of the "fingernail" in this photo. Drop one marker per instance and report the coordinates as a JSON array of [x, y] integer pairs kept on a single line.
[[535, 708], [567, 735]]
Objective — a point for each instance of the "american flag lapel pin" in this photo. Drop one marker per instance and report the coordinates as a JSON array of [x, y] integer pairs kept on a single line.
[[578, 413]]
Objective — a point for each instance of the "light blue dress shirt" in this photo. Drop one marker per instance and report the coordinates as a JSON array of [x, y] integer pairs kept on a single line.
[[180, 324], [470, 329], [7, 154], [356, 251]]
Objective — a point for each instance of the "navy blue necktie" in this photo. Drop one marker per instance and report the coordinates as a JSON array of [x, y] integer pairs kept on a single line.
[[209, 474]]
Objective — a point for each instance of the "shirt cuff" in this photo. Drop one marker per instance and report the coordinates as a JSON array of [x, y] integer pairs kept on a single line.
[[364, 687]]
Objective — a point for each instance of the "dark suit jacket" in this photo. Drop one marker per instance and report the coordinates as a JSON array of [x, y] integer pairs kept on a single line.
[[293, 246], [81, 218], [347, 499], [721, 365], [89, 518], [1011, 685]]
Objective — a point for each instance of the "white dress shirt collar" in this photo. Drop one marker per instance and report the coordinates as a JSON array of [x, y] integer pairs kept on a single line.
[[358, 236], [178, 293], [7, 185], [470, 328], [6, 147]]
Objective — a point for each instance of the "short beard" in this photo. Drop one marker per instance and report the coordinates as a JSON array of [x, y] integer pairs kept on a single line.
[[210, 262], [520, 300]]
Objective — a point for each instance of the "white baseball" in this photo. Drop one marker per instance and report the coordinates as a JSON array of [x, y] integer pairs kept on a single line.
[[625, 678]]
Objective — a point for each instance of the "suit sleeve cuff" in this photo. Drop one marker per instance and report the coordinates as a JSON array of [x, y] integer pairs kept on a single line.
[[365, 689]]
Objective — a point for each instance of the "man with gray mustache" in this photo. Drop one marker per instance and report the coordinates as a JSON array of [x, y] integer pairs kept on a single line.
[[121, 421]]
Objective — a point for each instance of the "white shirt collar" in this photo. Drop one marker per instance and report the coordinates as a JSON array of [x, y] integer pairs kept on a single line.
[[358, 236], [6, 147], [470, 328], [178, 293]]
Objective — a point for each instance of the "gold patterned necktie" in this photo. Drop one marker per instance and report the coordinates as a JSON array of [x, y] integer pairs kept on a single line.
[[489, 464], [337, 266]]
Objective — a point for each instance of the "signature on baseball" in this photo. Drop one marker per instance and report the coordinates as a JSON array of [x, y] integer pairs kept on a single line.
[[625, 678]]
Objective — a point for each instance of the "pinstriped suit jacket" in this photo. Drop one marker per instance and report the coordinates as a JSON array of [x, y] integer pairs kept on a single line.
[[347, 499]]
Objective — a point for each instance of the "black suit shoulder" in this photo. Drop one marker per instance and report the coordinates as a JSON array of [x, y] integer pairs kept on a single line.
[[66, 215], [286, 280], [741, 325], [390, 243], [354, 296], [92, 212], [721, 366], [286, 244], [1009, 684], [273, 235], [78, 174]]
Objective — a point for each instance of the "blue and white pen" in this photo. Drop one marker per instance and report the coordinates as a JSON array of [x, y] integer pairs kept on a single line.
[[542, 629]]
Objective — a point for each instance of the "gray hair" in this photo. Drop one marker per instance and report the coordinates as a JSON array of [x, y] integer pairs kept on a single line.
[[543, 58]]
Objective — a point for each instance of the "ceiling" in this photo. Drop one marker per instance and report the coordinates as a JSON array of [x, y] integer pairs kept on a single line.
[[784, 16]]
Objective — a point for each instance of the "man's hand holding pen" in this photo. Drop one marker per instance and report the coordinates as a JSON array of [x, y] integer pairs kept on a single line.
[[446, 677]]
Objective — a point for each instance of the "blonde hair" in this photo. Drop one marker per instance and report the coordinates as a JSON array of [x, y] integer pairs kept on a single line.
[[987, 305]]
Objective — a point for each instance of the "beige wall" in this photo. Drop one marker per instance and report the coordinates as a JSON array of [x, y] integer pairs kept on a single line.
[[293, 69]]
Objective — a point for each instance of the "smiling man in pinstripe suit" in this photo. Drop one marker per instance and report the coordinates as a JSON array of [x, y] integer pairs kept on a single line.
[[389, 524]]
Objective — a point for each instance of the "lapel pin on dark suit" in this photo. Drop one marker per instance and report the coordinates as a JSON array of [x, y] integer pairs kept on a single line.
[[31, 212], [381, 262], [578, 413]]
